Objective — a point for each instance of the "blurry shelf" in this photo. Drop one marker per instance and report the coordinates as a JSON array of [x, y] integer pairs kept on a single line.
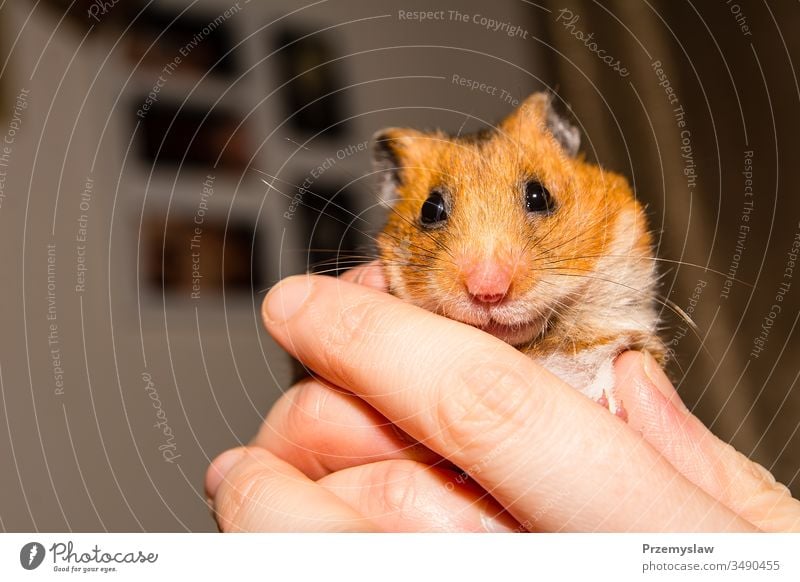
[[249, 117]]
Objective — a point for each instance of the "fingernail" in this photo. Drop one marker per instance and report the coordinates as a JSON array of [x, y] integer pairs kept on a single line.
[[497, 524], [495, 520], [284, 300], [220, 467], [659, 379], [372, 276]]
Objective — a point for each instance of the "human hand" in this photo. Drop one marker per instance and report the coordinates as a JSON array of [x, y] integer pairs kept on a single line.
[[326, 460], [353, 451]]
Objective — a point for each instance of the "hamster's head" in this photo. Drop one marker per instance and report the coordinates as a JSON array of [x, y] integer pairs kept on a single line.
[[506, 230]]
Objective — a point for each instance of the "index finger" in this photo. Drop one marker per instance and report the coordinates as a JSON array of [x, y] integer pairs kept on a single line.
[[553, 458]]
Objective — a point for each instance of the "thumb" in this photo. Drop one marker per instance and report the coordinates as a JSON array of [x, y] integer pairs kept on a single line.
[[657, 412]]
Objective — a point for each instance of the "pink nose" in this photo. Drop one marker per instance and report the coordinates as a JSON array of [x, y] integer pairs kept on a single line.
[[488, 281]]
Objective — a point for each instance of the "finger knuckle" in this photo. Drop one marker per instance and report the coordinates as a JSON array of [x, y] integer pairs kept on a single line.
[[764, 493], [308, 401], [398, 491], [356, 329], [490, 406], [308, 419]]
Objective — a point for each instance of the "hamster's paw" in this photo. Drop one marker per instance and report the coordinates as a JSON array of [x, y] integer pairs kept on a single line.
[[592, 373], [601, 390], [614, 405]]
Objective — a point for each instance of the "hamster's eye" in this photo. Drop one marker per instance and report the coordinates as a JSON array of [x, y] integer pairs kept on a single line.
[[537, 198], [433, 210]]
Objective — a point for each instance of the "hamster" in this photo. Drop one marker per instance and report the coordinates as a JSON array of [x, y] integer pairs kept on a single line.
[[511, 231]]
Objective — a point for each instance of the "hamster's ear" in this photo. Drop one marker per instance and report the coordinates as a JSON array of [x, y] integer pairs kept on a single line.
[[538, 109], [392, 151]]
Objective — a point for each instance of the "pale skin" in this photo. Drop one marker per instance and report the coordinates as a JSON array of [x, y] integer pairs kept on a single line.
[[401, 398]]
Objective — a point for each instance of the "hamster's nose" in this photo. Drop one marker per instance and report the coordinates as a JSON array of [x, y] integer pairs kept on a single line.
[[487, 281]]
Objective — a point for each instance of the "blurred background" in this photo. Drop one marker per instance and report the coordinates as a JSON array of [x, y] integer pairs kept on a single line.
[[163, 163]]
